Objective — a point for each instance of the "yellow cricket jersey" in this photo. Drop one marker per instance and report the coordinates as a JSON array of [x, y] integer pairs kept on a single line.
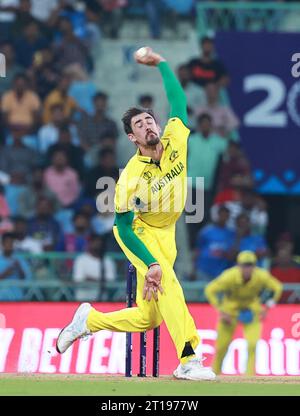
[[157, 192], [238, 295]]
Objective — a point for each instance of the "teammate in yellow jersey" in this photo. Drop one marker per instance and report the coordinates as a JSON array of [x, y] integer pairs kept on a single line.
[[241, 287], [150, 197]]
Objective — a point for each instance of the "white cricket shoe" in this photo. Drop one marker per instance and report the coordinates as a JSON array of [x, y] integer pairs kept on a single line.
[[76, 329], [194, 370]]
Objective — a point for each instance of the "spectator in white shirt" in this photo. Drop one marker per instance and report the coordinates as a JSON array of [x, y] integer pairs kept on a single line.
[[93, 267], [24, 242], [43, 9]]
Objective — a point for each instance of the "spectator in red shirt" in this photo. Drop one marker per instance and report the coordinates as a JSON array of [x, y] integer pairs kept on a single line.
[[208, 68], [285, 267]]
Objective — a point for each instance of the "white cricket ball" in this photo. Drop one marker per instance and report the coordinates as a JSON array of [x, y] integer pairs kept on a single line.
[[142, 52]]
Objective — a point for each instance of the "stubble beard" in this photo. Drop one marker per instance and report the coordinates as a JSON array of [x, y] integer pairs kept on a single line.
[[153, 141]]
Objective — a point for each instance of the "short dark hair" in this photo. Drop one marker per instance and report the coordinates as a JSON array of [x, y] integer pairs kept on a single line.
[[106, 151], [64, 128], [8, 236], [20, 75], [62, 77], [234, 144], [31, 23], [202, 117], [182, 66], [65, 19], [44, 198], [79, 214], [145, 97], [132, 112], [205, 39], [7, 42], [100, 94], [60, 151], [223, 208], [19, 218], [243, 214], [56, 106], [95, 237]]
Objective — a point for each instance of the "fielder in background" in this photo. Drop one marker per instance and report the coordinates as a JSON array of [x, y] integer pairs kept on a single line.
[[236, 295]]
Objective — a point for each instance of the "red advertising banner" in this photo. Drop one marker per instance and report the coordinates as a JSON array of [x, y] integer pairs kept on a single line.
[[28, 332]]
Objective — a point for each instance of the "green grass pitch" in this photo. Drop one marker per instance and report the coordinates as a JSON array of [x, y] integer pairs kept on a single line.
[[87, 385]]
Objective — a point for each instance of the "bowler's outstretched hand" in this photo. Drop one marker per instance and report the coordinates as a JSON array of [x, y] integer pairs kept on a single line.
[[149, 58]]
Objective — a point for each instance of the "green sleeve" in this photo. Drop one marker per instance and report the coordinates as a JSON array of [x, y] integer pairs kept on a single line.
[[175, 93], [129, 238]]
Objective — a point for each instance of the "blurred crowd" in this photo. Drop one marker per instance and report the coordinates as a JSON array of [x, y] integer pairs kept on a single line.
[[57, 138], [91, 19], [235, 215]]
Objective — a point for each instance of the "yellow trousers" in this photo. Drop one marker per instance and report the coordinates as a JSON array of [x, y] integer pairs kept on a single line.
[[170, 307], [252, 332]]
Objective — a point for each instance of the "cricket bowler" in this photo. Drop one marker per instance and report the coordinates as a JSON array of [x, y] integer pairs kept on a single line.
[[240, 288], [150, 196]]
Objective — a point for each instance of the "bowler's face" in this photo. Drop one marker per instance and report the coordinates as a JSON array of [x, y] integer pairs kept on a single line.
[[145, 130]]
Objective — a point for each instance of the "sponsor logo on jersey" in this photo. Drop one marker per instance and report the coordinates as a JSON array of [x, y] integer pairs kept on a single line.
[[147, 176]]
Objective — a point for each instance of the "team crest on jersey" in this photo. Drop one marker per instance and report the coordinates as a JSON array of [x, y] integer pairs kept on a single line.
[[147, 176], [174, 155]]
